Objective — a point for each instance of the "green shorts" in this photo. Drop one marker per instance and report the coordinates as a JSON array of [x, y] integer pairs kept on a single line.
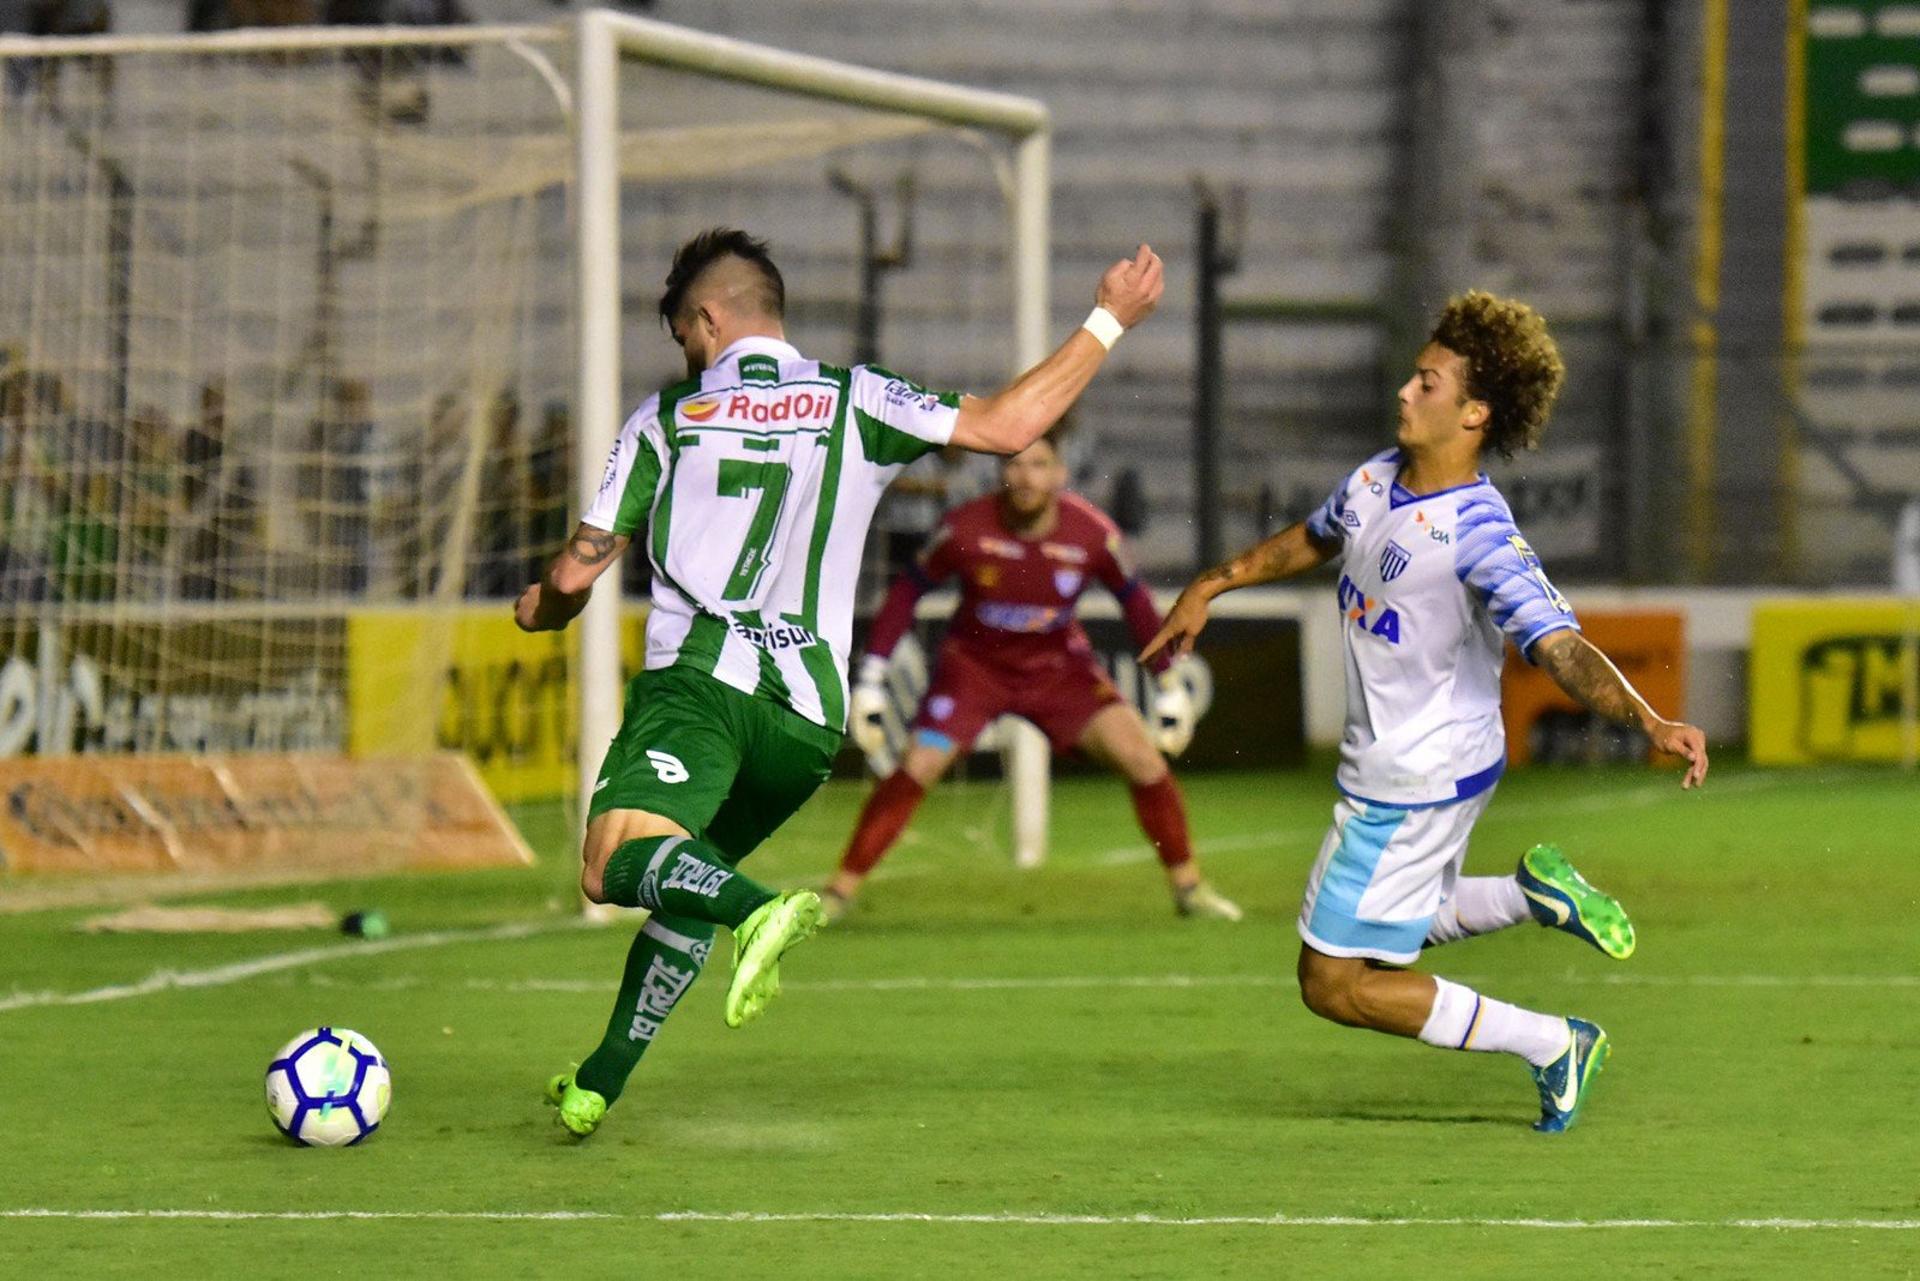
[[728, 767]]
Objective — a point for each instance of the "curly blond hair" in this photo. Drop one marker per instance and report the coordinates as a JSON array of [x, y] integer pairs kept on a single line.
[[1512, 363]]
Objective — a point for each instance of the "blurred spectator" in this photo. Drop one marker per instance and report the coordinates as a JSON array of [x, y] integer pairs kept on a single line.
[[86, 540], [925, 492], [397, 13], [26, 494], [550, 468], [393, 80], [69, 470], [502, 506], [438, 476], [219, 498], [53, 18], [154, 504], [225, 15], [334, 485]]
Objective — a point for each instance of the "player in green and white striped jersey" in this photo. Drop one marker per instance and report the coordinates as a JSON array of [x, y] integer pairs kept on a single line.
[[752, 483]]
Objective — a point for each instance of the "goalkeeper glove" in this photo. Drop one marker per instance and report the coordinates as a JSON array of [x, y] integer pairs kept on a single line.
[[1173, 715], [867, 710]]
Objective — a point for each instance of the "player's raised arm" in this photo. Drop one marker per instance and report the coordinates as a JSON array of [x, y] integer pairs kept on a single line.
[[1589, 677], [1294, 550], [1020, 413], [561, 593]]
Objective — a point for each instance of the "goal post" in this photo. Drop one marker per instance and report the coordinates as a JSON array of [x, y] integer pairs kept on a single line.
[[279, 338], [312, 341], [603, 40]]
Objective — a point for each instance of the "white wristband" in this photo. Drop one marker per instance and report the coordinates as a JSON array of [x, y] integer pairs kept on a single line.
[[873, 670], [1105, 326]]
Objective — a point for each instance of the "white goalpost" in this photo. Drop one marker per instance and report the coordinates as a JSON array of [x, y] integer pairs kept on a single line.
[[313, 340], [603, 40]]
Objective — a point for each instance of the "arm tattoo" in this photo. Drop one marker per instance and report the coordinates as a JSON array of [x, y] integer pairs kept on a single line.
[[1276, 557], [1580, 669], [590, 546]]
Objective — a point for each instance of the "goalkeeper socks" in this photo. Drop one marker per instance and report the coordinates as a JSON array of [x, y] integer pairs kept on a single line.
[[892, 803], [679, 876], [662, 964], [1462, 1019], [1163, 817], [1478, 905]]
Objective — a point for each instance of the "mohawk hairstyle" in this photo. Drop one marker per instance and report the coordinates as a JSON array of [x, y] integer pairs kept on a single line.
[[1512, 363], [709, 247]]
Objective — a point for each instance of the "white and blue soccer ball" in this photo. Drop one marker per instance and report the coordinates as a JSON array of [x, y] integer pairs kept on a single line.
[[328, 1087]]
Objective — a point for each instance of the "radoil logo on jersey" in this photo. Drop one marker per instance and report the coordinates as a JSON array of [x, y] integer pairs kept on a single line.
[[762, 407]]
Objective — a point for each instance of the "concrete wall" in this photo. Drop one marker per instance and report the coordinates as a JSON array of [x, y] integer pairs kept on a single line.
[[1311, 107]]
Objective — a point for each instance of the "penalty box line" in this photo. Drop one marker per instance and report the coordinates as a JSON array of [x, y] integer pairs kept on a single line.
[[240, 971], [1151, 982], [1042, 1220]]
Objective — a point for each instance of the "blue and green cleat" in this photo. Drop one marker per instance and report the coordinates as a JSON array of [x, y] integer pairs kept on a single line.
[[580, 1109], [1561, 898], [1565, 1082], [758, 944]]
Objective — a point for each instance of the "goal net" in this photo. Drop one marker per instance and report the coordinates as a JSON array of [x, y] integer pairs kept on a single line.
[[295, 386]]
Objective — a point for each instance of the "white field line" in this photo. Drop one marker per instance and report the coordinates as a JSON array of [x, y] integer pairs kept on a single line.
[[239, 971], [1005, 1219], [1593, 803], [1056, 982]]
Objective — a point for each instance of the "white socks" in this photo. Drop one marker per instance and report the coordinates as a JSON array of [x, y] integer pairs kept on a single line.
[[1462, 1019], [1478, 905]]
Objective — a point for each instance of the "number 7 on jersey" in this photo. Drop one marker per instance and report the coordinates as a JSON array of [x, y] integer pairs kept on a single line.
[[739, 477]]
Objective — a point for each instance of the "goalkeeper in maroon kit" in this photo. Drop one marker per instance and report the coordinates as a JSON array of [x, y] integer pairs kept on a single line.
[[1023, 556]]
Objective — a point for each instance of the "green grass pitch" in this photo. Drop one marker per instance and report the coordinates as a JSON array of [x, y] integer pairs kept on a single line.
[[1029, 1060]]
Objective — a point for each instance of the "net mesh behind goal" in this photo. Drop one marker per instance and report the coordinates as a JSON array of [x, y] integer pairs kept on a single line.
[[287, 344]]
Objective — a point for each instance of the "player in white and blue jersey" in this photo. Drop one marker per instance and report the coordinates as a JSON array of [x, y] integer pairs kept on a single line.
[[1435, 578]]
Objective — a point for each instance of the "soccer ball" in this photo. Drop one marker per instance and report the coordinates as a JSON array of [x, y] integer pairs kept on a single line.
[[328, 1087]]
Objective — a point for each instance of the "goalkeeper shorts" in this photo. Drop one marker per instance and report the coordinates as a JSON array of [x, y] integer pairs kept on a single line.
[[966, 694]]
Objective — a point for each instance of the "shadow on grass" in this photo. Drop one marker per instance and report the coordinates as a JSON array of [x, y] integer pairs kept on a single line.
[[1389, 1116]]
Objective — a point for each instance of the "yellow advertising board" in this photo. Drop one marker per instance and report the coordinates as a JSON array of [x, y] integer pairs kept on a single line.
[[506, 700], [1833, 680]]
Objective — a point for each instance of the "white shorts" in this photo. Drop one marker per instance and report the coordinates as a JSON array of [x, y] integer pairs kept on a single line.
[[1381, 875]]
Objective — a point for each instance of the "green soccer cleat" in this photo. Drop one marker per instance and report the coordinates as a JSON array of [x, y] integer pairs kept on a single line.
[[580, 1110], [1562, 899], [1565, 1082], [758, 944]]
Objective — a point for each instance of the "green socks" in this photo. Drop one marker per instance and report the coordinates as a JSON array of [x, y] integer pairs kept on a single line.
[[662, 964], [679, 876], [691, 890]]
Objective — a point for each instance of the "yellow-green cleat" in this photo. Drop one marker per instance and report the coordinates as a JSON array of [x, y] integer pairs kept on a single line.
[[1561, 899], [580, 1110], [1566, 1082], [758, 944]]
